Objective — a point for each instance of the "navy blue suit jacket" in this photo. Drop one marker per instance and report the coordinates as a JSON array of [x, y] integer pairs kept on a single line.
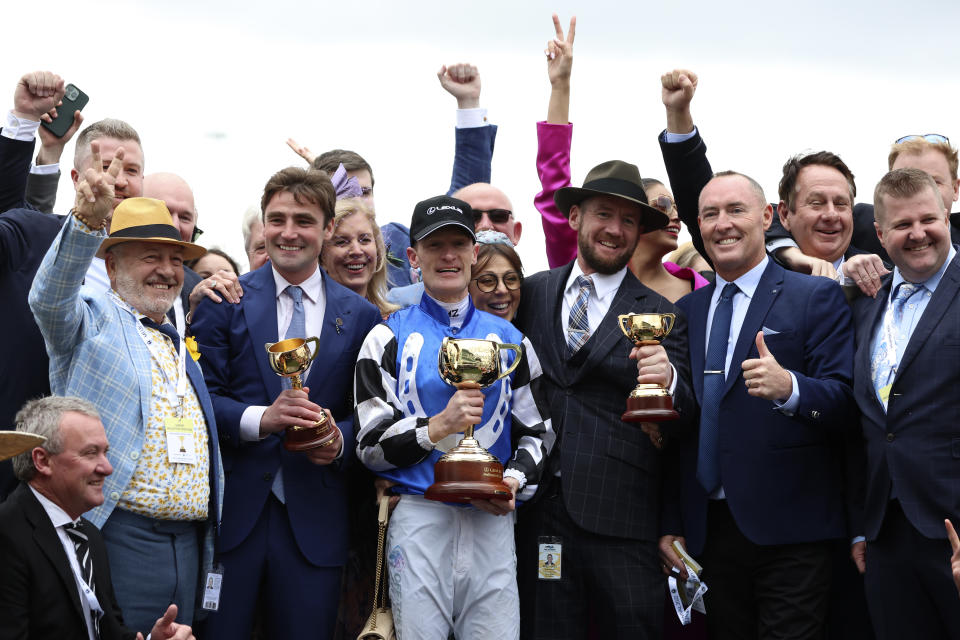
[[914, 446], [782, 475], [25, 236], [231, 340]]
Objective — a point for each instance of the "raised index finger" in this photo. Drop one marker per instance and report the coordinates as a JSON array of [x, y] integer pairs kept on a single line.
[[97, 163], [557, 27]]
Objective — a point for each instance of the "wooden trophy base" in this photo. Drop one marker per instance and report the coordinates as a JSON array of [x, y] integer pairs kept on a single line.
[[649, 408], [467, 472], [306, 438]]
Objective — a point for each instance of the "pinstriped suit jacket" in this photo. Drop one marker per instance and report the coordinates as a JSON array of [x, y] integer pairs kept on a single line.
[[96, 354], [610, 471]]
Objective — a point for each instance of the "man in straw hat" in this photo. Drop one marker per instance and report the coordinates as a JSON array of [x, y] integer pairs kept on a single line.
[[56, 577], [601, 503], [118, 350]]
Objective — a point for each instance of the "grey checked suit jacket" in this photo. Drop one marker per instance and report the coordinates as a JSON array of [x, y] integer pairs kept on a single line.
[[610, 471]]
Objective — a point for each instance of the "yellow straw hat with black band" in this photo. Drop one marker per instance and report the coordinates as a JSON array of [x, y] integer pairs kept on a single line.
[[146, 220]]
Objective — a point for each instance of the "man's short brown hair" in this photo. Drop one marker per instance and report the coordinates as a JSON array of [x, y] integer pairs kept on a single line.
[[916, 146], [106, 128], [306, 185], [793, 166], [902, 184], [351, 160]]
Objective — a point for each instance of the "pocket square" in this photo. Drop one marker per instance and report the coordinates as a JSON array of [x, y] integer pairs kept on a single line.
[[767, 331]]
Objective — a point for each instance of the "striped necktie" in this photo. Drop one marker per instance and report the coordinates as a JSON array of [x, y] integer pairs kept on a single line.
[[578, 326], [81, 546]]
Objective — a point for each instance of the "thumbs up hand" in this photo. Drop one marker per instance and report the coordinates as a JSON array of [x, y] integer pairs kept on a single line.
[[764, 377]]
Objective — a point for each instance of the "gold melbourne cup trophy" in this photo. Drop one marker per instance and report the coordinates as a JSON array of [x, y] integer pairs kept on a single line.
[[648, 402], [290, 358], [468, 470]]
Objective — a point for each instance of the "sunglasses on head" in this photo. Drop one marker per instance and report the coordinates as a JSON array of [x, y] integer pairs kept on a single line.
[[663, 203], [497, 216], [488, 282], [929, 137]]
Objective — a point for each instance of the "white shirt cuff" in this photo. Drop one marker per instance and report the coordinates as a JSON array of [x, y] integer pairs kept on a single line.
[[250, 423], [471, 118], [516, 473], [857, 539], [673, 138], [780, 243], [423, 438], [793, 402], [45, 170], [673, 383], [19, 129]]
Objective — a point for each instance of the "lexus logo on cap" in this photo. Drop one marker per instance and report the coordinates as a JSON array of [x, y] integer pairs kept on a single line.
[[450, 207]]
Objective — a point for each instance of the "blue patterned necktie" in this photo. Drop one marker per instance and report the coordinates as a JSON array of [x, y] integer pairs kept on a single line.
[[578, 326], [714, 379], [886, 355], [166, 329], [81, 546], [298, 322]]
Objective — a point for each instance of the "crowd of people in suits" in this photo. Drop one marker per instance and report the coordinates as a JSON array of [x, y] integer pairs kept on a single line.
[[811, 464]]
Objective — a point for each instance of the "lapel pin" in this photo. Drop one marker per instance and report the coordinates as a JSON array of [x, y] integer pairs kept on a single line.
[[339, 324]]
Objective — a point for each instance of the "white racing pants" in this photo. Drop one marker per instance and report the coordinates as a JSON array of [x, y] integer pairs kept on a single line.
[[452, 568]]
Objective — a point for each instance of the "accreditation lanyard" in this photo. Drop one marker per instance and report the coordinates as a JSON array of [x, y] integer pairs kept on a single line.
[[892, 355], [176, 391]]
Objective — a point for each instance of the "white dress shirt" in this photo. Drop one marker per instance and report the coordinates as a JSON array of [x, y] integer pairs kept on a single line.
[[314, 306]]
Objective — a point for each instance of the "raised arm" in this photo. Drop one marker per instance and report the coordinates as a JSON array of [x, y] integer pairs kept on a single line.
[[553, 147], [684, 152], [475, 137], [41, 193]]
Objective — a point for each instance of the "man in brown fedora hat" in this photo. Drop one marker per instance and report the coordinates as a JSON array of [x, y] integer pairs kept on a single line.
[[600, 508], [120, 352]]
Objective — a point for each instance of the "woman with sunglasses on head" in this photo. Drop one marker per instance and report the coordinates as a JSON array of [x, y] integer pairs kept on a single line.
[[497, 276], [666, 278], [553, 166]]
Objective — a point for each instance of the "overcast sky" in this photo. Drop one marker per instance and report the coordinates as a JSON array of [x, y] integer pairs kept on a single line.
[[215, 88]]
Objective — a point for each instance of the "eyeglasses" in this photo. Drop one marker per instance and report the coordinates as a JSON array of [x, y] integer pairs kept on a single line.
[[934, 138], [489, 281], [663, 203], [497, 216]]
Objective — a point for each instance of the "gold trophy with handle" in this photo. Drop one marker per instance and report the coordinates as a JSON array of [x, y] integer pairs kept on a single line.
[[291, 358], [648, 402], [468, 471]]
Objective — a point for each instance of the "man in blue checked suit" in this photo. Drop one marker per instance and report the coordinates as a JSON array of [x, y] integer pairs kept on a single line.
[[907, 372], [118, 351], [285, 513], [758, 494]]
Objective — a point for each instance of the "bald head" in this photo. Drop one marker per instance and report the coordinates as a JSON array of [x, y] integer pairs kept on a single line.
[[177, 195], [485, 198]]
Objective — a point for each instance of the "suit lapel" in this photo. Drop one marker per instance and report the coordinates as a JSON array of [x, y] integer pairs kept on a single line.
[[259, 309], [553, 315], [946, 291], [770, 286], [864, 355], [629, 298], [337, 314], [49, 542]]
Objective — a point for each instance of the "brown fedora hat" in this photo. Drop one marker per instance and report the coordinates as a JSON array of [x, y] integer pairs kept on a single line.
[[146, 220], [618, 179]]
